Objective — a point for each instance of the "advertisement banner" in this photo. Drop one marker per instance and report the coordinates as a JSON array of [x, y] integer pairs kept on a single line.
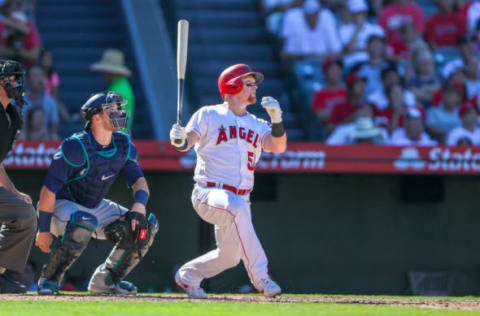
[[299, 158]]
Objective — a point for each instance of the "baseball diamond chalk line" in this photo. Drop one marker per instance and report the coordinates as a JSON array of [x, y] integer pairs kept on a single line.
[[438, 303]]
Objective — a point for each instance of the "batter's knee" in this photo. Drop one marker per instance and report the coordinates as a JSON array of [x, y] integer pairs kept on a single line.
[[228, 258]]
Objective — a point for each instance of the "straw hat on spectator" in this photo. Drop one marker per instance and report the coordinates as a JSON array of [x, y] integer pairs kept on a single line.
[[365, 128], [113, 61], [18, 21]]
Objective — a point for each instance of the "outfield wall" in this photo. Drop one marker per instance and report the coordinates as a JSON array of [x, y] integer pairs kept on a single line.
[[323, 233]]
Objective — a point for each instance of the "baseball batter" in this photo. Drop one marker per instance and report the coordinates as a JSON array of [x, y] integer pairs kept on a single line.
[[229, 141]]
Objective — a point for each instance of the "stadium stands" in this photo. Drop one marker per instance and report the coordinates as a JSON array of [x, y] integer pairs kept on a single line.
[[77, 33]]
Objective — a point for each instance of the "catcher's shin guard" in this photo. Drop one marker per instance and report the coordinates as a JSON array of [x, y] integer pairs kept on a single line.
[[130, 247], [67, 250]]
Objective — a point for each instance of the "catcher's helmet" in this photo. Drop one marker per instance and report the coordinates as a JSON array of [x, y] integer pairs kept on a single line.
[[230, 80], [10, 68], [111, 101]]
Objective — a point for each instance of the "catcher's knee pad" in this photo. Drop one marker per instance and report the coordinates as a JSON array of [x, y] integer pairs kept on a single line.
[[130, 246], [70, 246]]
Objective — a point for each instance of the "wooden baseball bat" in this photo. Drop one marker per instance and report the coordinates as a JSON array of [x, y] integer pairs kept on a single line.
[[182, 48]]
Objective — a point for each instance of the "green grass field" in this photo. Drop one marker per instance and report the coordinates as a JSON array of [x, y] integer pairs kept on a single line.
[[234, 305]]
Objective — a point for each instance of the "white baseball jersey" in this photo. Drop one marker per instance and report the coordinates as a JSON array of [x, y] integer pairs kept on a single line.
[[229, 145]]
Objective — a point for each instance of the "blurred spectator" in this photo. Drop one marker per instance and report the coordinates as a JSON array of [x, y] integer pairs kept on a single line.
[[36, 96], [400, 11], [115, 73], [424, 81], [35, 125], [467, 133], [343, 134], [444, 27], [372, 69], [52, 84], [334, 93], [355, 32], [409, 42], [438, 96], [413, 132], [310, 31], [52, 80], [344, 112], [19, 37], [444, 118], [472, 82], [273, 10], [394, 115], [379, 97], [466, 47]]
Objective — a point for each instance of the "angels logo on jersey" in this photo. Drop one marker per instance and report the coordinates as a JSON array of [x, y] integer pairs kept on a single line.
[[248, 135]]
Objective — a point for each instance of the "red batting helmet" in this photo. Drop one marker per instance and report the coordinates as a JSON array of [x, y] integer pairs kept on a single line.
[[230, 80]]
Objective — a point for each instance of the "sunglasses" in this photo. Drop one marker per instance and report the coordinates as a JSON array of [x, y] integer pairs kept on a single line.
[[250, 84]]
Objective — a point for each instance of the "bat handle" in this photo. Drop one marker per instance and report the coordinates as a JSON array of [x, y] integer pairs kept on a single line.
[[180, 100]]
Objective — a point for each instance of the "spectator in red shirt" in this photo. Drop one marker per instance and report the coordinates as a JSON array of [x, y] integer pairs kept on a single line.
[[410, 42], [334, 93], [343, 112], [19, 39], [444, 27], [399, 12]]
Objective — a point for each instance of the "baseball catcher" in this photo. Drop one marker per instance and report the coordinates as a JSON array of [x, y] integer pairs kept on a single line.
[[73, 207]]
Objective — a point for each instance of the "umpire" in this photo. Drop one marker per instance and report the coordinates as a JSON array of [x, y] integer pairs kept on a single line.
[[18, 222]]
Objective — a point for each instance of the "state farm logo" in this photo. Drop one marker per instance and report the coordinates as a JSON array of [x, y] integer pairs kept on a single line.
[[36, 156], [439, 159], [300, 159], [409, 159], [444, 159]]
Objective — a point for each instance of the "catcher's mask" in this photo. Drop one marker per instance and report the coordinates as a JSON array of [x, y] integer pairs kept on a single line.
[[112, 103]]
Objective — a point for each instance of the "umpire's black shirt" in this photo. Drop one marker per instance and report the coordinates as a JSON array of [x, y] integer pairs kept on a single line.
[[10, 123]]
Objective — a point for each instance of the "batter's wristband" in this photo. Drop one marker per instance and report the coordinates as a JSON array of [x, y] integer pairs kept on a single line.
[[44, 220], [141, 196], [278, 130]]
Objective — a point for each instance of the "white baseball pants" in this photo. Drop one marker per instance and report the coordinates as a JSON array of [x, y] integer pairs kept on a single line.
[[234, 233]]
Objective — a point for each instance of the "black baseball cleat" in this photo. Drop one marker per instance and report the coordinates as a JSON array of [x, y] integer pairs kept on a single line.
[[8, 285]]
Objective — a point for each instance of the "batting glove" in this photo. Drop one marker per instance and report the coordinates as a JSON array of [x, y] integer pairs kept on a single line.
[[273, 109], [178, 134]]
